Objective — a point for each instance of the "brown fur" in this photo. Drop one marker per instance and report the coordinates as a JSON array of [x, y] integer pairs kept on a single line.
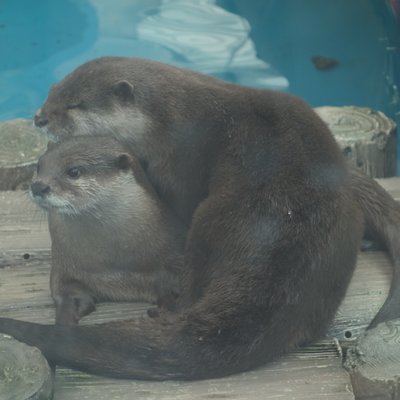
[[275, 224]]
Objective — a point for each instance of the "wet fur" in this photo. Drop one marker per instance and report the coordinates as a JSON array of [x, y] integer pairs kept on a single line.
[[275, 220], [112, 238]]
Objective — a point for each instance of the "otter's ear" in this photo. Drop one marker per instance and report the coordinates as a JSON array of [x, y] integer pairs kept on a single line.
[[124, 162], [123, 90]]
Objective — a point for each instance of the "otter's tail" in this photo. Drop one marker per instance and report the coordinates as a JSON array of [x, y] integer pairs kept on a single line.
[[162, 348], [382, 223]]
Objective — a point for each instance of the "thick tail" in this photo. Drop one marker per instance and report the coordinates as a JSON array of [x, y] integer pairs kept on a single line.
[[151, 348], [116, 349], [382, 223]]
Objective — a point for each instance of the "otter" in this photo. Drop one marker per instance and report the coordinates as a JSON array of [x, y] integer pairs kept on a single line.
[[275, 219], [111, 237]]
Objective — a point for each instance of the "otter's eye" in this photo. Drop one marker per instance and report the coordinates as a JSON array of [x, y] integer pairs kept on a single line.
[[74, 172], [74, 105]]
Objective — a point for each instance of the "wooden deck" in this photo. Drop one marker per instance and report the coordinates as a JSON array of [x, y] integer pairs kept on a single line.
[[312, 373]]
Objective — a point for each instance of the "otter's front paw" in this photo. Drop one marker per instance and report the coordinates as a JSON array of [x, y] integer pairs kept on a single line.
[[71, 308]]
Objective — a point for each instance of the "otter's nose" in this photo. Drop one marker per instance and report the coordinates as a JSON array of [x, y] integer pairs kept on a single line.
[[40, 121], [39, 188]]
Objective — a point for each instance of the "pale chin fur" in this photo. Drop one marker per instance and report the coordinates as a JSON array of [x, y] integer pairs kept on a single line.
[[54, 203], [118, 123], [97, 199]]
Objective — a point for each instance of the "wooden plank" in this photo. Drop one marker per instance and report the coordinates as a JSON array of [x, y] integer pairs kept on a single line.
[[25, 284], [392, 185], [312, 373], [23, 225], [292, 377], [367, 292]]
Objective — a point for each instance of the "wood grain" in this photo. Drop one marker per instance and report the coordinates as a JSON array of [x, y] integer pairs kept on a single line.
[[367, 138], [314, 372], [20, 147]]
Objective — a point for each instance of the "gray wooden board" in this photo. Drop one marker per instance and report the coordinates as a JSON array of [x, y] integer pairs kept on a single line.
[[23, 226], [311, 373], [392, 185]]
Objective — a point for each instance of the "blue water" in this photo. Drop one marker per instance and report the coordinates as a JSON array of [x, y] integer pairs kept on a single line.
[[262, 43], [361, 35]]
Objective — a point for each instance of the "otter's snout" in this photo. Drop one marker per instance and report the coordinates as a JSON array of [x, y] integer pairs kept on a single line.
[[39, 188], [39, 120]]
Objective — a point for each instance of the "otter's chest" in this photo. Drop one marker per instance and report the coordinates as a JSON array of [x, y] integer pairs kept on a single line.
[[91, 247]]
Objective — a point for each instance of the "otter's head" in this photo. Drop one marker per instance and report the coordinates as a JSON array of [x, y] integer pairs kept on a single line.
[[84, 175], [97, 96]]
